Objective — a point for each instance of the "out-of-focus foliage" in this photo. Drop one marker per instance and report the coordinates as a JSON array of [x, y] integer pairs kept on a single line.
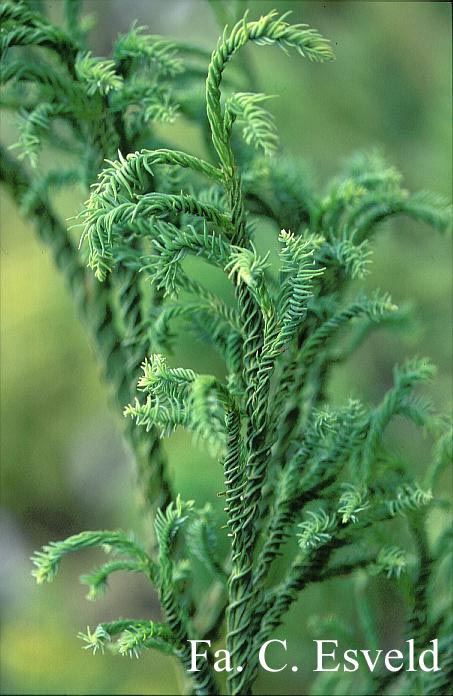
[[62, 464]]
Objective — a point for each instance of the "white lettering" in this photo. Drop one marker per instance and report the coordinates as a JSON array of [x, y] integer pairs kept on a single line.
[[411, 667], [393, 655], [434, 653], [366, 655], [320, 655], [262, 655], [225, 659], [351, 660], [194, 654]]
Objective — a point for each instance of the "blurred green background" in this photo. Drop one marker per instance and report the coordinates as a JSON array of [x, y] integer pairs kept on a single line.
[[64, 467]]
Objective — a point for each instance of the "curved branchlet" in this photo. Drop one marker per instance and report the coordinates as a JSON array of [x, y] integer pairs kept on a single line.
[[134, 636], [167, 525], [104, 223], [48, 560], [172, 244], [396, 401], [269, 29]]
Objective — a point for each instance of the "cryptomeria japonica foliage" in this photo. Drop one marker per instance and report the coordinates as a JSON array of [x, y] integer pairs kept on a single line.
[[295, 467]]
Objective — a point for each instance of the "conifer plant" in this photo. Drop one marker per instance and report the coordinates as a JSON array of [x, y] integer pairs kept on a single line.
[[302, 477]]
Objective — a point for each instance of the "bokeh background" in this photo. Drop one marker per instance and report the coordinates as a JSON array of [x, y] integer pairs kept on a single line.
[[64, 467]]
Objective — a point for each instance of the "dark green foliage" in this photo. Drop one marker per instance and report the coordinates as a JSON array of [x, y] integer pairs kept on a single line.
[[270, 420]]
